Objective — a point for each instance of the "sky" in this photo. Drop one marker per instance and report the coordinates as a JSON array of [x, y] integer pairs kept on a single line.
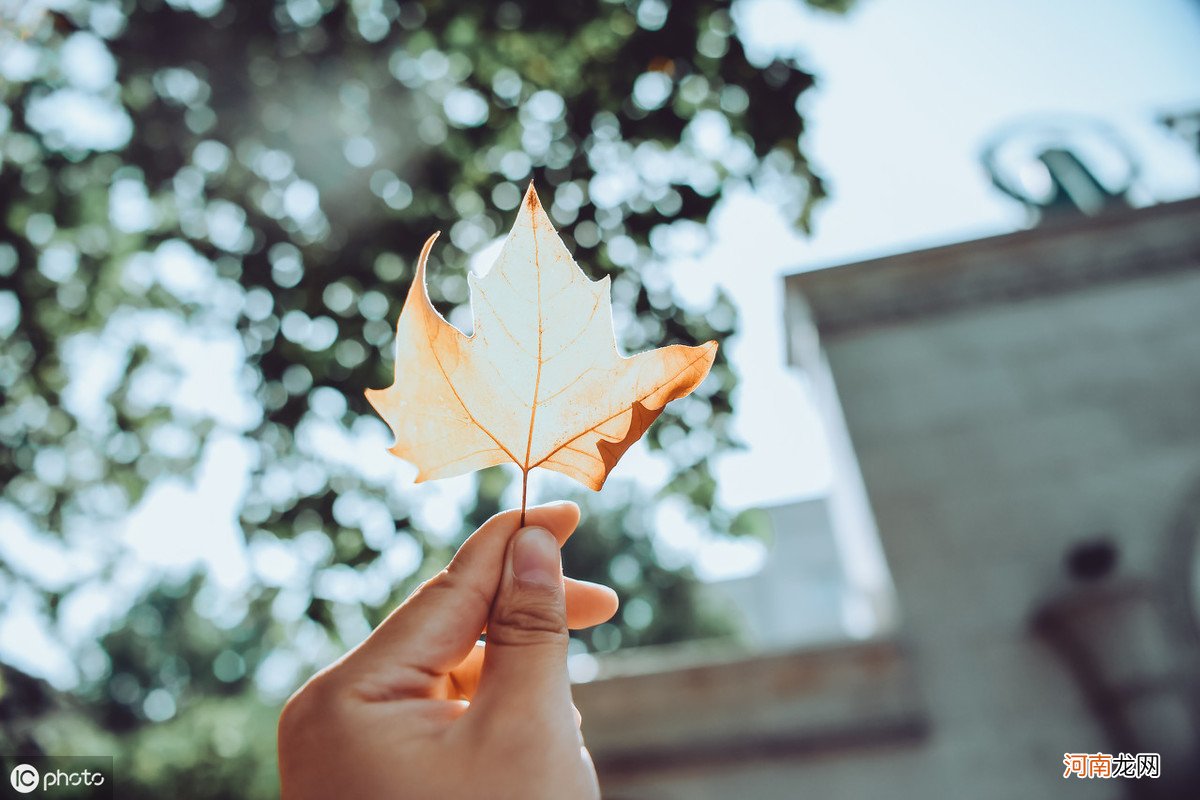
[[908, 94]]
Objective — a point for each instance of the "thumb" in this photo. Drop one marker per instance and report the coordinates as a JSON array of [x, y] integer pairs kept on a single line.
[[525, 658]]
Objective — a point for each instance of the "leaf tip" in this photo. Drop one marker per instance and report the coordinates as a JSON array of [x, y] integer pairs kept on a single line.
[[429, 245], [532, 201], [418, 289]]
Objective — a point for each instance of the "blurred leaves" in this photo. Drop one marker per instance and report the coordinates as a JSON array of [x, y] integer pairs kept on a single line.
[[245, 186]]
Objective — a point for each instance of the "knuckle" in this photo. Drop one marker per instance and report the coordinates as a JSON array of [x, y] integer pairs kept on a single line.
[[451, 582], [292, 719], [528, 623], [307, 706]]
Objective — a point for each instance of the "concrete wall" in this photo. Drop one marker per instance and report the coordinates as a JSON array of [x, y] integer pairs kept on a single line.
[[1006, 399], [998, 424], [991, 441], [802, 595]]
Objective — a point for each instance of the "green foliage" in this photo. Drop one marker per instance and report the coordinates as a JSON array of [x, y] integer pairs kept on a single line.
[[264, 174]]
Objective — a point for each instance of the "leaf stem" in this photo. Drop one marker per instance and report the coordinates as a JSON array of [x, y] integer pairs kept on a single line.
[[524, 493]]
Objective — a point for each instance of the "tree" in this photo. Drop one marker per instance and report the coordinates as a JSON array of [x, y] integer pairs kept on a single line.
[[268, 171]]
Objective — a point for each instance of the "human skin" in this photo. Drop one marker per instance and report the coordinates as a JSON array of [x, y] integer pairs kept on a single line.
[[422, 709]]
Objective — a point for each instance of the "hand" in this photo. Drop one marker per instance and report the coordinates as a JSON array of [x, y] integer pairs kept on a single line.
[[422, 709]]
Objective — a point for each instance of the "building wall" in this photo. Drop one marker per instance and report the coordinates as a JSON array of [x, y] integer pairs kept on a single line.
[[993, 440], [1006, 400], [998, 423], [801, 595]]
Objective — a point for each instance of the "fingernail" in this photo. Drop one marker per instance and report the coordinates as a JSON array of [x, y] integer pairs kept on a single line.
[[554, 504], [536, 559]]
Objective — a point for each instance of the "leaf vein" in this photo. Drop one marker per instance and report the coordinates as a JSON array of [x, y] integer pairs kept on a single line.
[[442, 369], [641, 396], [578, 336]]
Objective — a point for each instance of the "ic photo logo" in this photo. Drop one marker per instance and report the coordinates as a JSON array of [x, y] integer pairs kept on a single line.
[[24, 778], [49, 777]]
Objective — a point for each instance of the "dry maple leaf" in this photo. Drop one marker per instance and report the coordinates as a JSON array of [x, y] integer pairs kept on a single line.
[[539, 383]]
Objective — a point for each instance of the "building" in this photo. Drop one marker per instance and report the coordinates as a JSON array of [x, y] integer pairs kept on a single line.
[[805, 593], [1018, 418]]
